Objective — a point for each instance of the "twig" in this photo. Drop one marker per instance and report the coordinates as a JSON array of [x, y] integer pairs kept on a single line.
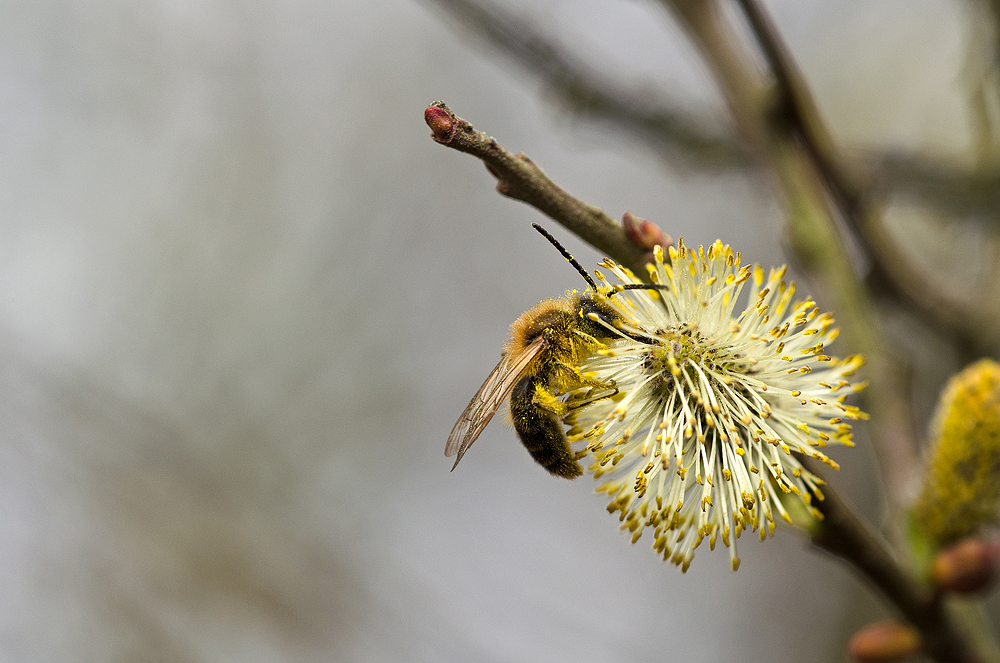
[[519, 178], [843, 534]]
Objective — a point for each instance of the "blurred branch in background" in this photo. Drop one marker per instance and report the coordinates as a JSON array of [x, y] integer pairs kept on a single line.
[[948, 188], [678, 134], [981, 78]]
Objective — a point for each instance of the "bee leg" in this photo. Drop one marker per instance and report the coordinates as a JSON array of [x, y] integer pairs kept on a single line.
[[578, 379], [591, 399], [537, 422], [581, 380]]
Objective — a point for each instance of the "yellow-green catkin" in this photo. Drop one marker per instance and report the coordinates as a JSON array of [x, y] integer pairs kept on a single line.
[[962, 487]]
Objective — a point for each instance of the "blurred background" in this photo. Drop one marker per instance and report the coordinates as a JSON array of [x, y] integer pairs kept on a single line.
[[244, 297]]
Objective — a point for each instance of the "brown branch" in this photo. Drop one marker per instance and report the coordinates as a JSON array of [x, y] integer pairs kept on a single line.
[[843, 534], [519, 178]]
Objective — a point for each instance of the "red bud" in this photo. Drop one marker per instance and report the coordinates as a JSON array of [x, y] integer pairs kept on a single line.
[[441, 122], [968, 566], [884, 642], [644, 233]]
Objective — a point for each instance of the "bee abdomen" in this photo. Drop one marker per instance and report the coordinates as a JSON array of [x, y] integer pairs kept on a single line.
[[540, 431]]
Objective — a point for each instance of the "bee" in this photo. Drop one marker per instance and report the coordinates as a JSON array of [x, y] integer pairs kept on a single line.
[[538, 365]]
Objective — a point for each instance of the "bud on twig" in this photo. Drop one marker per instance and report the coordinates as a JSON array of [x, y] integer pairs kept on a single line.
[[644, 233], [884, 642], [966, 567], [441, 121]]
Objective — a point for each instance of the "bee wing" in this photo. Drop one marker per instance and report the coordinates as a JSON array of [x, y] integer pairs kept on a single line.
[[489, 398]]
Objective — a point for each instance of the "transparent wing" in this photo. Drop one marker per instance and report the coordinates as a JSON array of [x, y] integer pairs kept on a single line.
[[489, 398]]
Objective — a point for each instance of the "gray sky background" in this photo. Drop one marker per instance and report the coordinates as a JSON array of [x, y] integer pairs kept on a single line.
[[243, 298]]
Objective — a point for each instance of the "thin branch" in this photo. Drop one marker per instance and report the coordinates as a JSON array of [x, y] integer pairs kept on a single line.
[[519, 178], [843, 534], [968, 320], [980, 77]]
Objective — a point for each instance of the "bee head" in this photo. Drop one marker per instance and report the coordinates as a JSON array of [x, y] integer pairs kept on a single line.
[[597, 316]]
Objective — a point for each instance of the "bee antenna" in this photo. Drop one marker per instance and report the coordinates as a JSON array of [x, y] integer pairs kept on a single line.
[[565, 254], [643, 286]]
